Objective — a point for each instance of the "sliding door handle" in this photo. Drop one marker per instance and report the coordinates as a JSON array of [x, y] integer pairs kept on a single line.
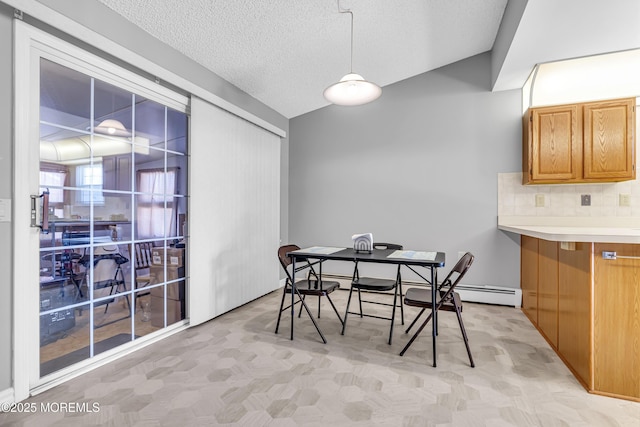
[[44, 212]]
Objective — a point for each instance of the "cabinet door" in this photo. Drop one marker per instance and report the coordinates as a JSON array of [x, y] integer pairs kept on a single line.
[[529, 276], [616, 338], [548, 290], [554, 148], [574, 309], [116, 172], [609, 146]]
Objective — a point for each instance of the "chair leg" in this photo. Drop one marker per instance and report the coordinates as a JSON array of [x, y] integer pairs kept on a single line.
[[319, 296], [413, 338], [284, 294], [401, 296], [304, 304], [346, 313], [302, 299], [335, 309], [415, 320], [360, 302], [393, 313], [464, 333]]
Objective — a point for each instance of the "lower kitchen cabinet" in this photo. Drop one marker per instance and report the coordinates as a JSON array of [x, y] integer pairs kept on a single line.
[[548, 290], [616, 334], [574, 309], [529, 275], [588, 309]]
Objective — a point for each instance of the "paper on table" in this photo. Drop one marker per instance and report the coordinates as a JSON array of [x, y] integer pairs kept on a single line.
[[417, 255], [324, 250]]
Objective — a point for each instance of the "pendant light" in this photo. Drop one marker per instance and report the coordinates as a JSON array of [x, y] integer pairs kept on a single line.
[[352, 89], [112, 127]]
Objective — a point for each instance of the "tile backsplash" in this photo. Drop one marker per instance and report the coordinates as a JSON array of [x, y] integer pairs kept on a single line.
[[564, 200]]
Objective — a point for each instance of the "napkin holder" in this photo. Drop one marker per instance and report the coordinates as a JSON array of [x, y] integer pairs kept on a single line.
[[363, 243]]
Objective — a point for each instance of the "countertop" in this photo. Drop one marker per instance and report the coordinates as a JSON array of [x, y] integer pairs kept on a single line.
[[574, 229]]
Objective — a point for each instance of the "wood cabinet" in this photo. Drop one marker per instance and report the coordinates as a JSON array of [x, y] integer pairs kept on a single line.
[[548, 290], [587, 142], [574, 309], [529, 275], [616, 335], [596, 325]]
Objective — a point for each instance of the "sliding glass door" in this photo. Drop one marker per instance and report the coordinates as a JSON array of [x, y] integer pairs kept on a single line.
[[113, 192]]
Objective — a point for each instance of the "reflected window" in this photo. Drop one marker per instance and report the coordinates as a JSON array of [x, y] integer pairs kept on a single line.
[[89, 177]]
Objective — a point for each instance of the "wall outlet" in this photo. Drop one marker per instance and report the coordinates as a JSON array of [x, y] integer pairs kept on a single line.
[[624, 199], [585, 200], [539, 200]]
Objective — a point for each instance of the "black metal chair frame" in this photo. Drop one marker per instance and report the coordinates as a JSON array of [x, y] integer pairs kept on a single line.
[[115, 283], [376, 285], [449, 301], [312, 285]]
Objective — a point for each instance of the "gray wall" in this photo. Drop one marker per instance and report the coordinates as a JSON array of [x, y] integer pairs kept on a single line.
[[6, 185], [96, 16], [418, 167]]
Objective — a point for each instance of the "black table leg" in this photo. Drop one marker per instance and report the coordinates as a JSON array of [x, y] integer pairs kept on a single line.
[[293, 293], [434, 319]]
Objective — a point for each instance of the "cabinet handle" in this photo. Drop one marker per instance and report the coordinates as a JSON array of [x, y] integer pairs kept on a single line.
[[614, 255]]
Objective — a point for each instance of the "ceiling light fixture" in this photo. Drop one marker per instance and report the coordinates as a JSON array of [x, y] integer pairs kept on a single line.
[[352, 89], [112, 127]]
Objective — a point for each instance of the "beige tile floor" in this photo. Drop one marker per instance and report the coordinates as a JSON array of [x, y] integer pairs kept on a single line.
[[235, 371]]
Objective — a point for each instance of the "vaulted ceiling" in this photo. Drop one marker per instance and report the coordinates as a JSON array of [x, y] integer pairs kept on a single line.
[[285, 53]]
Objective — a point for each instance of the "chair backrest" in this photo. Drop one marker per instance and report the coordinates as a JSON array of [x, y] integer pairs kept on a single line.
[[458, 270], [286, 261], [394, 246], [141, 255]]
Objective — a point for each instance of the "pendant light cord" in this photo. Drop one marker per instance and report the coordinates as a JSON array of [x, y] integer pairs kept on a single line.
[[341, 10]]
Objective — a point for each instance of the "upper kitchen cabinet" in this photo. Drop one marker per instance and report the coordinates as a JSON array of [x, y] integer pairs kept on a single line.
[[587, 142]]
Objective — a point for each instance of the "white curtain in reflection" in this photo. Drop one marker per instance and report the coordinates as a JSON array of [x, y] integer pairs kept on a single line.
[[50, 177], [154, 220]]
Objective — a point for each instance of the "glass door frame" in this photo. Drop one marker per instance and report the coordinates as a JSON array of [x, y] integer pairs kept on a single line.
[[31, 45]]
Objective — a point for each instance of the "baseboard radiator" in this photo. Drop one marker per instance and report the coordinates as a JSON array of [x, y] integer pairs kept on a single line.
[[485, 294]]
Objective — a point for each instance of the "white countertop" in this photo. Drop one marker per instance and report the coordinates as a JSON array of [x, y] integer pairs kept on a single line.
[[576, 229]]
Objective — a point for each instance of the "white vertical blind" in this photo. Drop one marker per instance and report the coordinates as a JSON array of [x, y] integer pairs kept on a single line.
[[234, 214]]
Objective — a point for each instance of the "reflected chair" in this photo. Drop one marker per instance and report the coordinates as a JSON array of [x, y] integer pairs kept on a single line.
[[108, 274], [141, 256], [446, 299], [313, 285], [376, 285]]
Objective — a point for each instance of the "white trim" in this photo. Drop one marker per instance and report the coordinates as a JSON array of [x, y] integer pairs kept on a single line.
[[73, 28], [26, 316]]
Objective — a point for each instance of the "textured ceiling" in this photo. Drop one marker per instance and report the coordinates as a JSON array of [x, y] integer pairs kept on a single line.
[[285, 53]]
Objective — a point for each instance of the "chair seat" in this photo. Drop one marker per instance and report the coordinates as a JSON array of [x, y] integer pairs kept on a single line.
[[418, 297], [311, 287], [374, 284]]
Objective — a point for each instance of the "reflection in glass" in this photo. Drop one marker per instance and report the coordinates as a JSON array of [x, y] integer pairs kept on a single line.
[[176, 131], [117, 199], [65, 99], [64, 336], [150, 122]]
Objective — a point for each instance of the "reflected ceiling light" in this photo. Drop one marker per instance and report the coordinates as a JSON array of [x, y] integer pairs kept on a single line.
[[112, 127], [352, 89]]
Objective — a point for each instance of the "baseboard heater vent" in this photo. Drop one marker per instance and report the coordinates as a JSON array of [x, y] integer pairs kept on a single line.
[[473, 293], [490, 294]]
